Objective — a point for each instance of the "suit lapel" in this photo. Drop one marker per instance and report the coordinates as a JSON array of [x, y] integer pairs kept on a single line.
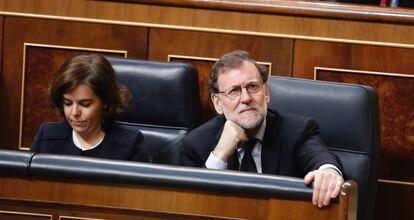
[[271, 145]]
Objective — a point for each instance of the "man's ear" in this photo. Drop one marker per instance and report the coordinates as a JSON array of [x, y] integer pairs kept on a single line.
[[267, 93], [217, 103]]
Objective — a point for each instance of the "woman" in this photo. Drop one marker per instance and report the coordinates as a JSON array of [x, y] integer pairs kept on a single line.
[[86, 92]]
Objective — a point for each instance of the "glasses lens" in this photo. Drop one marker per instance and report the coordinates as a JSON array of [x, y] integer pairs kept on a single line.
[[254, 87], [234, 92]]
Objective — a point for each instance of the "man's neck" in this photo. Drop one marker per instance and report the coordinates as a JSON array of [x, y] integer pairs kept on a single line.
[[257, 132]]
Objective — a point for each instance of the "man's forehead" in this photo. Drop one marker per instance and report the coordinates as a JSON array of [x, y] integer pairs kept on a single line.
[[246, 70]]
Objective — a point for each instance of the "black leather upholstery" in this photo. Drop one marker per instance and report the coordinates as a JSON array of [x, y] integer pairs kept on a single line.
[[79, 168], [15, 162], [161, 142], [165, 103], [163, 93], [348, 118], [102, 170]]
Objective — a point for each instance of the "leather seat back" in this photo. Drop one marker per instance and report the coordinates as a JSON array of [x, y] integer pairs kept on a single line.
[[165, 103], [348, 118]]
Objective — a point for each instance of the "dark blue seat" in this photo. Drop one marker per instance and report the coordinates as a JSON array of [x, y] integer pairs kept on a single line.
[[126, 172], [15, 163], [348, 118], [165, 104]]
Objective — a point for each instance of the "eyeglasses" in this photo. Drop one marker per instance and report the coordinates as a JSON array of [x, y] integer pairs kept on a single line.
[[236, 91]]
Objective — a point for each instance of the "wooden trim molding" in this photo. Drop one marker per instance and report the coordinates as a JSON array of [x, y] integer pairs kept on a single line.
[[211, 30], [177, 203], [63, 217], [304, 8], [349, 195], [210, 59], [25, 214], [207, 16], [317, 68], [396, 182]]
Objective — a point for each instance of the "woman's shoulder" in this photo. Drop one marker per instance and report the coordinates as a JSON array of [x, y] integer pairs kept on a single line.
[[54, 129], [124, 135]]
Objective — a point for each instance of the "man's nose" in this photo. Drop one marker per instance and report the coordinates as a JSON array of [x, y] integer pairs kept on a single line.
[[245, 96]]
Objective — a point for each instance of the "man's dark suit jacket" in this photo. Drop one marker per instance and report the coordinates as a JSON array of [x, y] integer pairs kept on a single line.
[[291, 145], [119, 143]]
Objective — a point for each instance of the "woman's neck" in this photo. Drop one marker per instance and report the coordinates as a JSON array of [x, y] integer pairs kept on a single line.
[[91, 139]]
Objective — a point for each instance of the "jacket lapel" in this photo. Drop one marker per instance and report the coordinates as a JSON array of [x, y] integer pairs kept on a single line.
[[271, 145]]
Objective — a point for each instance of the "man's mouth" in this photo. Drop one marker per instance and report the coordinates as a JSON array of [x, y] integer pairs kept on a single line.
[[247, 110]]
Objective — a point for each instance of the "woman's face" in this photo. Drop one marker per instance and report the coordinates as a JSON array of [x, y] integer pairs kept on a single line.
[[83, 110]]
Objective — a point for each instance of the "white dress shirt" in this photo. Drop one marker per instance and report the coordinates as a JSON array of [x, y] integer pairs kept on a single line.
[[78, 144]]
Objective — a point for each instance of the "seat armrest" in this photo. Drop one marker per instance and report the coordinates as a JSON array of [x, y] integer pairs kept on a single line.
[[15, 162]]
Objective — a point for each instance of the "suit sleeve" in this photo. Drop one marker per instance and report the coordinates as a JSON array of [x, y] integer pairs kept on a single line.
[[139, 154], [312, 152], [198, 144], [190, 156]]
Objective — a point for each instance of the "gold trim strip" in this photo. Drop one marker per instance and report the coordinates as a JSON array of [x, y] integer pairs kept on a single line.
[[214, 30], [80, 218], [396, 182], [25, 45], [26, 213], [22, 100], [315, 72], [78, 48], [211, 59], [190, 58]]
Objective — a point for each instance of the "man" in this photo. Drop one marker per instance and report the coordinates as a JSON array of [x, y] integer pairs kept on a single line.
[[278, 143]]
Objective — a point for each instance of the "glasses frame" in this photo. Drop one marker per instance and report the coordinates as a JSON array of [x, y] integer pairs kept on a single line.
[[240, 88]]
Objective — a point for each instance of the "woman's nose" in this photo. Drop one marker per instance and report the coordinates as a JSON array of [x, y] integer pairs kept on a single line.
[[75, 110]]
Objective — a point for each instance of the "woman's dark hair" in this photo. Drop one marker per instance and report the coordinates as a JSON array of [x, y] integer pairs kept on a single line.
[[232, 60], [97, 73]]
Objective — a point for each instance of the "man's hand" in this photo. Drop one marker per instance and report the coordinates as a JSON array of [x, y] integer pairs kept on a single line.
[[327, 184], [232, 136]]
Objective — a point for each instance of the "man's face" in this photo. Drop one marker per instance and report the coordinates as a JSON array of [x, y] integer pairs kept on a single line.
[[250, 109]]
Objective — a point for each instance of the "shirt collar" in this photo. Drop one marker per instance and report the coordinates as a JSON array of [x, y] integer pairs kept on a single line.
[[260, 134], [83, 148]]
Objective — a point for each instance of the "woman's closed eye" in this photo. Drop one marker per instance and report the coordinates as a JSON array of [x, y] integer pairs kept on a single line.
[[67, 103], [85, 103]]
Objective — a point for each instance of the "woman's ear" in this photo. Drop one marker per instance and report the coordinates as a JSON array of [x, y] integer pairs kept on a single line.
[[217, 103]]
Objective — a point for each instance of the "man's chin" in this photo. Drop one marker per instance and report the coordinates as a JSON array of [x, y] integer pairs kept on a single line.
[[250, 124]]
